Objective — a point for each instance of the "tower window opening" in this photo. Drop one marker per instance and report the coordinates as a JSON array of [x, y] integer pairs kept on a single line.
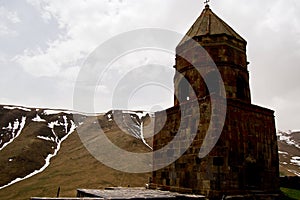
[[241, 88], [184, 90]]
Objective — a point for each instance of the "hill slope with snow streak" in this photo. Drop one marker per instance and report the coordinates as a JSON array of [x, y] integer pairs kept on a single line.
[[29, 138], [289, 152], [71, 166]]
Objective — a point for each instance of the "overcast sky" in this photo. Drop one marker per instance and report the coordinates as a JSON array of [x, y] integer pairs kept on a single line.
[[44, 44]]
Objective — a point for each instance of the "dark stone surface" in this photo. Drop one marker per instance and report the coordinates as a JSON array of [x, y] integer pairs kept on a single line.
[[134, 193], [245, 157]]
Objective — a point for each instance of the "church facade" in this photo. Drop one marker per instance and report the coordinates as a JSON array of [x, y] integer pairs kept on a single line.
[[234, 149]]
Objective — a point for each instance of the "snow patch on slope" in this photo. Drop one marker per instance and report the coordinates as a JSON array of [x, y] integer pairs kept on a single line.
[[294, 172], [38, 119], [142, 136], [16, 107], [16, 127], [46, 138], [137, 128], [287, 137], [57, 111], [52, 124], [283, 152], [295, 160], [53, 112]]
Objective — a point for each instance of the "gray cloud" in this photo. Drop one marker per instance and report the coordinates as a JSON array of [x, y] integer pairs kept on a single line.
[[48, 41]]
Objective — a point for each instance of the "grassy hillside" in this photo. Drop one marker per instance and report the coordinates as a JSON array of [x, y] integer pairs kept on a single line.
[[74, 168], [291, 193]]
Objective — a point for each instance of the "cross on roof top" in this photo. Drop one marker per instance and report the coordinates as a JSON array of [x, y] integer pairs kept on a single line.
[[206, 2]]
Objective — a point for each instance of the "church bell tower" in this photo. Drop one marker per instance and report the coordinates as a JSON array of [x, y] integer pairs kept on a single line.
[[226, 48], [244, 159]]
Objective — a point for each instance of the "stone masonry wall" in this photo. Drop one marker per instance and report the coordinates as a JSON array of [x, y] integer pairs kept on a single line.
[[245, 157]]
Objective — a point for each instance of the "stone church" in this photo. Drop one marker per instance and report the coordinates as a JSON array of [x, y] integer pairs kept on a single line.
[[234, 149]]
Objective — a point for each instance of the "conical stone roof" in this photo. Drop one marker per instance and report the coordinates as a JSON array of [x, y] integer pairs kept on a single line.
[[209, 24]]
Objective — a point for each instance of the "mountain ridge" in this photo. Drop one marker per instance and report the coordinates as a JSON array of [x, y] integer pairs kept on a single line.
[[52, 132]]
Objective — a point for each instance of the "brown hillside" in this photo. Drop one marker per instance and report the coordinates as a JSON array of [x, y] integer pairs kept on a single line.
[[74, 168], [286, 167]]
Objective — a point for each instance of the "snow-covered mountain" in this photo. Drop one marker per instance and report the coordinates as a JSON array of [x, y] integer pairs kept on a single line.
[[289, 152]]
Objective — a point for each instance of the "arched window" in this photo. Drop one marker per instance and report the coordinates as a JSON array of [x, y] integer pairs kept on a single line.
[[241, 88], [184, 91]]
